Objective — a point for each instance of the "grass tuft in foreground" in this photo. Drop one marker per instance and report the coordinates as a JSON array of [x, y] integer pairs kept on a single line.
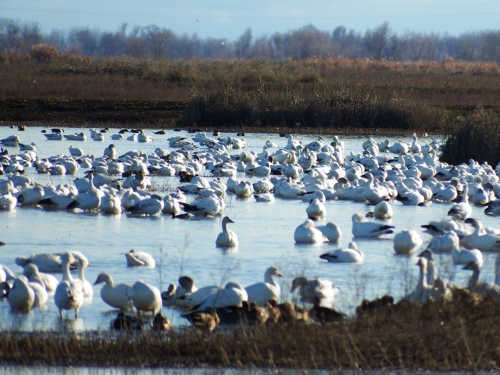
[[462, 335]]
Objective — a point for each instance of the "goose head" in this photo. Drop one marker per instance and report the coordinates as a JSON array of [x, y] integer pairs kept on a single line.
[[274, 271], [474, 222], [427, 254], [103, 277], [226, 220], [357, 218], [187, 283], [298, 282]]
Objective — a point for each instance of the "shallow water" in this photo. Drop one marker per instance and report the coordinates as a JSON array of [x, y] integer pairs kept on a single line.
[[181, 247]]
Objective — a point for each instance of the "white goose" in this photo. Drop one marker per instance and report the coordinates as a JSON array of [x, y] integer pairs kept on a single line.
[[69, 293], [233, 294], [139, 259], [316, 210], [423, 292], [331, 231], [485, 289], [47, 280], [383, 210], [462, 210], [351, 254], [88, 291], [21, 296], [145, 297], [366, 229], [116, 296], [306, 233], [262, 292], [479, 239], [227, 238], [316, 291], [406, 241]]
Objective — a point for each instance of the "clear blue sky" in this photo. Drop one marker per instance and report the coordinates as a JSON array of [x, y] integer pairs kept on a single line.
[[229, 18]]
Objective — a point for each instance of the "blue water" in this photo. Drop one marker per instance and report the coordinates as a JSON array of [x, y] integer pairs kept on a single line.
[[188, 247]]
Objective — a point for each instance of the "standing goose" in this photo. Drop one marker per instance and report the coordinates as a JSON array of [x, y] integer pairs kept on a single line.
[[21, 296], [351, 254], [227, 238], [47, 280], [88, 291], [116, 296], [146, 297], [262, 292], [485, 289], [69, 293], [480, 239]]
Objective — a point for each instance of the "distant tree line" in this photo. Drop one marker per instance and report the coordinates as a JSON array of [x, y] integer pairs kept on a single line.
[[158, 42]]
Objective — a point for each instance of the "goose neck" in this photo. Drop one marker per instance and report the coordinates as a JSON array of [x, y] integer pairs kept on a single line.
[[474, 278]]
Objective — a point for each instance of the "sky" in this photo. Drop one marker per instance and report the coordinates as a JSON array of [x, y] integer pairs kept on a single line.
[[230, 18]]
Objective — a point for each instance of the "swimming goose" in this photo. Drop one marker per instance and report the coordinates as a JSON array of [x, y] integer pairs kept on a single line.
[[351, 254], [444, 243], [316, 210], [116, 296], [262, 292], [75, 151], [139, 259], [21, 296], [145, 297], [383, 210], [148, 206], [69, 292], [406, 241], [306, 233], [361, 228], [227, 238], [480, 239], [32, 272], [331, 231], [316, 291], [462, 210], [90, 199]]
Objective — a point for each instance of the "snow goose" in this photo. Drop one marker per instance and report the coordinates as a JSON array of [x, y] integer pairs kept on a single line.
[[316, 291], [444, 243], [480, 239], [88, 291], [331, 231], [90, 199], [32, 272], [189, 300], [110, 152], [21, 296], [69, 293], [8, 202], [316, 210], [351, 254], [233, 294], [262, 292], [145, 297], [50, 263], [493, 208], [406, 241], [461, 210], [464, 256], [227, 238], [423, 292], [306, 233], [383, 210], [361, 228], [111, 204], [139, 259], [115, 295], [148, 206], [75, 151], [483, 288]]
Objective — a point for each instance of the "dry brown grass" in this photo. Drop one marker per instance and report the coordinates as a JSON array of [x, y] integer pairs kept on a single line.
[[462, 335], [312, 93]]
